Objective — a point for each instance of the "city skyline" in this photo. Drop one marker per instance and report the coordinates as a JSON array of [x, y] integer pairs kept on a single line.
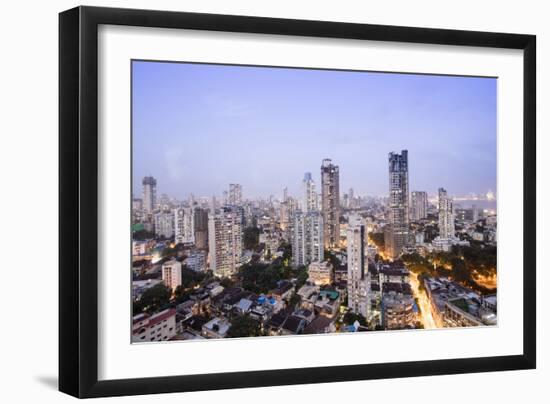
[[208, 141], [261, 227]]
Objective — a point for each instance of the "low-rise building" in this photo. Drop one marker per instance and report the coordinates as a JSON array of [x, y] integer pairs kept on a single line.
[[283, 291], [158, 327], [320, 273], [393, 273], [196, 261], [216, 328], [453, 305], [138, 287], [244, 306], [308, 296], [320, 325], [328, 303], [293, 325], [398, 311]]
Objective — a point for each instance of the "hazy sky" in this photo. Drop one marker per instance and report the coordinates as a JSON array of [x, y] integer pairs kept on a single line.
[[197, 128]]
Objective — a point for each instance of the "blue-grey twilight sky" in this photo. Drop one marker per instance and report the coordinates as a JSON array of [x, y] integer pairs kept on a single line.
[[197, 128]]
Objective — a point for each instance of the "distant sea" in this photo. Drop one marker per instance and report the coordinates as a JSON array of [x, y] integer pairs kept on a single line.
[[480, 204]]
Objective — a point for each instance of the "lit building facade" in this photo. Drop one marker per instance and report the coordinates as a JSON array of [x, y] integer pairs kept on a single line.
[[310, 196], [164, 224], [307, 238], [184, 225], [320, 273], [419, 205], [397, 233], [171, 274], [201, 228], [225, 241], [158, 327], [446, 215], [447, 236], [330, 203], [358, 278]]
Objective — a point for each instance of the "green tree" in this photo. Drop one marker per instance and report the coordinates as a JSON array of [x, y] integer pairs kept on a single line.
[[260, 278], [142, 234], [377, 239], [181, 295], [251, 238], [301, 276], [350, 318], [153, 299], [333, 259], [295, 299], [244, 326]]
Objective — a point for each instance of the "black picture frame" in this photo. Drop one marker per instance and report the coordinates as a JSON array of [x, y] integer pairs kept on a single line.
[[78, 201]]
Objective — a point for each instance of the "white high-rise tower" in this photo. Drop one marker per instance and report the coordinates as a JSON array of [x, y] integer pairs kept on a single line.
[[446, 215], [184, 225], [225, 241], [310, 196], [307, 238], [358, 277]]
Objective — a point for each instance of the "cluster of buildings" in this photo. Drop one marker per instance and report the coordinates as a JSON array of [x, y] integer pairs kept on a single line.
[[453, 305], [328, 236]]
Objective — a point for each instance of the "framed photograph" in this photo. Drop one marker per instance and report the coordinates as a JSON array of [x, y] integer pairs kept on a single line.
[[251, 201]]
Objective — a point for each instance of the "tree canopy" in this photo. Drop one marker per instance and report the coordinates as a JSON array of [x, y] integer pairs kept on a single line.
[[377, 239], [244, 326], [153, 299], [251, 238], [350, 318]]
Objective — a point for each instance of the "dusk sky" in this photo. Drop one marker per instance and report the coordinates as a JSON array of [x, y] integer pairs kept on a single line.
[[197, 128]]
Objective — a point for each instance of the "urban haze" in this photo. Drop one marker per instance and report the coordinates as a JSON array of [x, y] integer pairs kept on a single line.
[[276, 201]]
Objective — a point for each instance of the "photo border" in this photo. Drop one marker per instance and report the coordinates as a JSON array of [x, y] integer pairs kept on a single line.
[[78, 206]]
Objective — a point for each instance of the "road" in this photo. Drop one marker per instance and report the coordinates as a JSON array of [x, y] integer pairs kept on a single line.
[[426, 317]]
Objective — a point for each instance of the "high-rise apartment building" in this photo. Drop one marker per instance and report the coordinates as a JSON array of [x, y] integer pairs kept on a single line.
[[225, 241], [149, 199], [307, 238], [330, 203], [171, 274], [419, 205], [309, 195], [446, 215], [201, 228], [164, 224], [358, 277], [184, 225], [235, 196], [397, 232]]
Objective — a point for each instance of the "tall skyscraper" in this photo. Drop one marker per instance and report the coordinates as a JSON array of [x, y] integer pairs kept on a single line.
[[201, 228], [330, 203], [171, 274], [358, 278], [307, 238], [235, 197], [446, 216], [309, 194], [225, 241], [149, 194], [419, 205], [397, 233], [184, 225]]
